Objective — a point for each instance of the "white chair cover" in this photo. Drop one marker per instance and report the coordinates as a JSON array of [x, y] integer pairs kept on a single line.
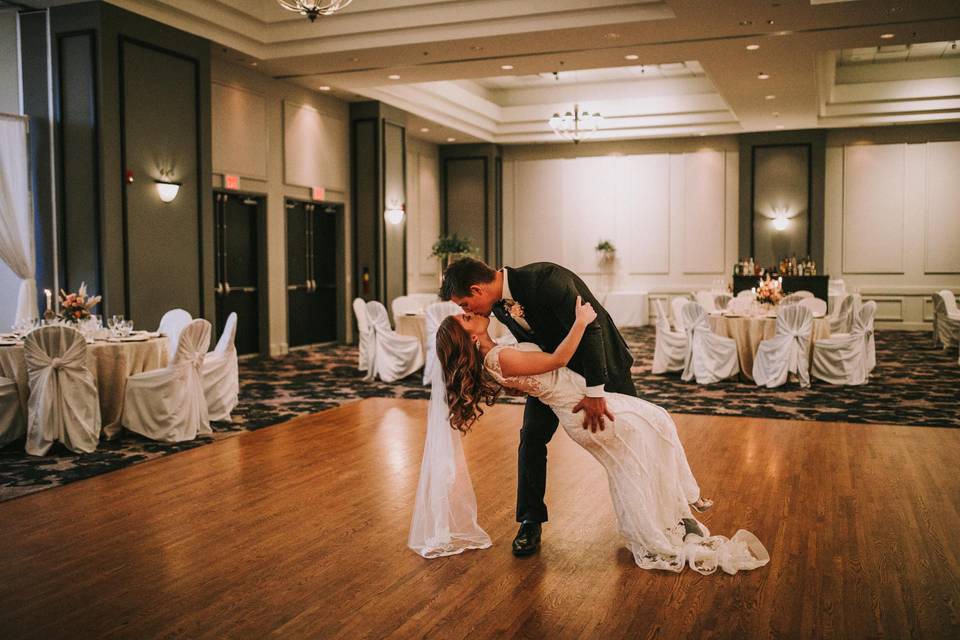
[[670, 349], [722, 300], [836, 286], [12, 424], [843, 358], [803, 294], [364, 333], [444, 518], [709, 357], [64, 405], [946, 318], [791, 299], [412, 303], [706, 300], [676, 306], [786, 352], [740, 304], [168, 404], [171, 324], [435, 314], [842, 319], [393, 356], [221, 373], [817, 306], [745, 293]]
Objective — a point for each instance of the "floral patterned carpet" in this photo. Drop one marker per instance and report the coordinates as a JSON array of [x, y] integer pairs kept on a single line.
[[915, 384]]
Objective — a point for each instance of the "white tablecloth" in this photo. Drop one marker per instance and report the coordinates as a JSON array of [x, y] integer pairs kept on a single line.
[[626, 308], [110, 362]]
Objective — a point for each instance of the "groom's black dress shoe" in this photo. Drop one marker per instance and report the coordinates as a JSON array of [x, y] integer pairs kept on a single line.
[[527, 541]]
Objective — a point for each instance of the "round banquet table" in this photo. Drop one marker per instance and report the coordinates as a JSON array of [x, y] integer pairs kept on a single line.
[[749, 331], [110, 362]]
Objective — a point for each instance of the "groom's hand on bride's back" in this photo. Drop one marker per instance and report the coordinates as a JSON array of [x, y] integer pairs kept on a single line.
[[595, 409]]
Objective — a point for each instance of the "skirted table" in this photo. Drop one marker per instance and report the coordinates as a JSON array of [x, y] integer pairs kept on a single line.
[[749, 331], [111, 364]]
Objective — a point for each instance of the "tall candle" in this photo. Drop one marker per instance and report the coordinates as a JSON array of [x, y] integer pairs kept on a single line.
[[49, 295]]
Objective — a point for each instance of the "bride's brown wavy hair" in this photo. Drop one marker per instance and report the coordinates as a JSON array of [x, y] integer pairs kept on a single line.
[[468, 384]]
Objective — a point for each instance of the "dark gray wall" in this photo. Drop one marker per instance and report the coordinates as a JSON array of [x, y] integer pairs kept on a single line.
[[470, 194], [816, 140], [395, 190], [781, 186]]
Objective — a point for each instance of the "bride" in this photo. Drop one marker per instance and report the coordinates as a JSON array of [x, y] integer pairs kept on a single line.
[[651, 485]]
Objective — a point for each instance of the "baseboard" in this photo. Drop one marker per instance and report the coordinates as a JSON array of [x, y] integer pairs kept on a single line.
[[904, 326], [279, 349]]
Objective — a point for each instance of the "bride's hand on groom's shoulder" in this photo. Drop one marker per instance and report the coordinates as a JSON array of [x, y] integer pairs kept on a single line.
[[585, 313]]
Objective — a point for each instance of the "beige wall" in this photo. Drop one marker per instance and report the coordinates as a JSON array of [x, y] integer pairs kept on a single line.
[[893, 217], [423, 215], [281, 139], [9, 103]]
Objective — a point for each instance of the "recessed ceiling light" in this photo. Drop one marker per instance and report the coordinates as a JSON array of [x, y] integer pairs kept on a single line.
[[354, 59], [631, 56], [393, 76], [770, 21], [611, 36], [451, 139], [746, 23], [886, 36], [323, 88], [779, 126], [769, 97], [507, 67], [752, 47], [763, 76], [424, 130], [253, 64]]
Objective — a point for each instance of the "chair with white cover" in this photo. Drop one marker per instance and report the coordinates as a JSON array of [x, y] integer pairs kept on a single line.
[[740, 304], [676, 306], [803, 294], [817, 306], [841, 320], [745, 293], [12, 424], [844, 358], [709, 357], [412, 303], [64, 405], [706, 300], [364, 332], [946, 318], [788, 351], [171, 324], [435, 314], [722, 301], [221, 373], [393, 356], [789, 299], [168, 404], [670, 348]]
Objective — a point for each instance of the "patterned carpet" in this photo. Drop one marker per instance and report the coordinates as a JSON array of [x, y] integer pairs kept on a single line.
[[915, 383]]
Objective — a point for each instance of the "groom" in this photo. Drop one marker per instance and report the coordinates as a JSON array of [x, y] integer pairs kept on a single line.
[[536, 303]]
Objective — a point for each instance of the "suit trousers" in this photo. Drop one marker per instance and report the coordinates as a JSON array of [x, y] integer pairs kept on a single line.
[[539, 425]]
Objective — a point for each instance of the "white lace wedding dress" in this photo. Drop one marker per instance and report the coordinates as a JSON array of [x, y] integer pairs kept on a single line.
[[651, 484]]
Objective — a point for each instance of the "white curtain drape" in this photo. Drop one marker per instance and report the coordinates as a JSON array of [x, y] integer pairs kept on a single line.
[[16, 213]]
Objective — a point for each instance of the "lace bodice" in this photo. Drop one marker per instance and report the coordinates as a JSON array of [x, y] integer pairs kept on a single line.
[[560, 388]]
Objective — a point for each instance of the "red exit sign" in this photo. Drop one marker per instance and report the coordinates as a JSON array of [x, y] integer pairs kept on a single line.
[[231, 182], [318, 193]]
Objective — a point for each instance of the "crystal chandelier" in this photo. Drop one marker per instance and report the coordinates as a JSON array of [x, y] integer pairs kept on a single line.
[[575, 125], [314, 8]]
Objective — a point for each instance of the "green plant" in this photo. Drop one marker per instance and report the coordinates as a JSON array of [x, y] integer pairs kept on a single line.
[[449, 245], [606, 247]]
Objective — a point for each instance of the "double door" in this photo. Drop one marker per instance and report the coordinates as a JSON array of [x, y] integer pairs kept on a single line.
[[312, 298], [237, 265]]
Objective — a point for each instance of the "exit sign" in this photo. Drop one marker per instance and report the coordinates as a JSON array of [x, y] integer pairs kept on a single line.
[[318, 193], [231, 182]]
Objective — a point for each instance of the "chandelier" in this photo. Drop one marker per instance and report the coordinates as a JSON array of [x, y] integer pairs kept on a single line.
[[314, 8], [575, 125]]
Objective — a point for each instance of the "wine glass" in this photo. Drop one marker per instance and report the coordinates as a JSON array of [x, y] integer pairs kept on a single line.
[[114, 323]]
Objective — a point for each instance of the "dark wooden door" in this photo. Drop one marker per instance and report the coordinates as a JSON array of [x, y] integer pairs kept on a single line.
[[236, 243], [312, 281]]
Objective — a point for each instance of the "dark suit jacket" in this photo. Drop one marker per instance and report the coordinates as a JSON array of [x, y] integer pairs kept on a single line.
[[548, 294]]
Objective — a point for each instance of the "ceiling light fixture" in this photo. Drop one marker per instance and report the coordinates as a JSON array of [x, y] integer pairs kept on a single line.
[[769, 97], [887, 36], [746, 23], [631, 56], [323, 88], [763, 76], [575, 125], [424, 130], [507, 67], [611, 36], [313, 9], [451, 139], [752, 47], [393, 76]]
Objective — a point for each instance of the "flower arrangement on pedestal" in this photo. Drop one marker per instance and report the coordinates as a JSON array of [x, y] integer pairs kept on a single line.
[[769, 292], [75, 307], [447, 249], [606, 252]]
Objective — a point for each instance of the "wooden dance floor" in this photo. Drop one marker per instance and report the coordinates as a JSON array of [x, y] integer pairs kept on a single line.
[[299, 531]]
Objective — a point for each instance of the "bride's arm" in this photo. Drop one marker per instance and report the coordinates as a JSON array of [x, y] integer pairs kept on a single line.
[[514, 362]]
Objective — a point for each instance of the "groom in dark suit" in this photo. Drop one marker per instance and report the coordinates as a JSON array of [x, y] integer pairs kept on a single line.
[[536, 303]]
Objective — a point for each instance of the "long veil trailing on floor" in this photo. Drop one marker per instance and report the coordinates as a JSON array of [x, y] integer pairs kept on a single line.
[[445, 512]]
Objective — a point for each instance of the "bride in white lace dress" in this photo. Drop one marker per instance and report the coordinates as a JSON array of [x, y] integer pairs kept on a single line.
[[651, 484]]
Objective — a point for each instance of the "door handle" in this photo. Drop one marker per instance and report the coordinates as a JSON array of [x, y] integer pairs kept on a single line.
[[219, 289], [226, 288]]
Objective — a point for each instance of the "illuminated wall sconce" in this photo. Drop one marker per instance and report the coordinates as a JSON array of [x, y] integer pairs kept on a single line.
[[394, 214], [781, 219], [167, 190]]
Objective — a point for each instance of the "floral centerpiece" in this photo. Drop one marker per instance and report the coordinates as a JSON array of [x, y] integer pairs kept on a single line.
[[769, 292], [606, 252], [75, 307]]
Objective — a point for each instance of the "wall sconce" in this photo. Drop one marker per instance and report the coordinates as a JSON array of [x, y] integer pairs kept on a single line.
[[781, 219], [167, 190], [394, 214]]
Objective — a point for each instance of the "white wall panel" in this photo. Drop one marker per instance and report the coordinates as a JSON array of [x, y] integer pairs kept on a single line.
[[239, 131], [423, 215], [593, 198], [643, 226], [314, 148], [538, 211], [704, 212], [873, 208], [942, 228]]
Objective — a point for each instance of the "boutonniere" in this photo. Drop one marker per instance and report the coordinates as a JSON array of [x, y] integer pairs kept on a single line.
[[514, 308]]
